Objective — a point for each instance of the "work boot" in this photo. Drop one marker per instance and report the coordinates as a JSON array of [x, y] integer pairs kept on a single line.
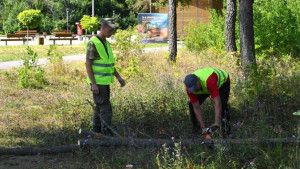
[[96, 129], [107, 132]]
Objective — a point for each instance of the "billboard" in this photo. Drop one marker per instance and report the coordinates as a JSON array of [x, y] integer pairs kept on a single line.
[[154, 26]]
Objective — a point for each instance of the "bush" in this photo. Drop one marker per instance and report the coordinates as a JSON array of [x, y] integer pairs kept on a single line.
[[206, 35], [129, 49], [57, 65], [89, 24], [31, 76], [276, 25], [31, 18]]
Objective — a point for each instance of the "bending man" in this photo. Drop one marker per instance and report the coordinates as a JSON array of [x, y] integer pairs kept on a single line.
[[202, 84]]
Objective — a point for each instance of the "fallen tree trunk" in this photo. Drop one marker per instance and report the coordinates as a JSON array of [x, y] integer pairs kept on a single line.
[[96, 139], [38, 150]]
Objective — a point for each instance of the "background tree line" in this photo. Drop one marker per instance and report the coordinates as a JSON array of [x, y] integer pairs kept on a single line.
[[55, 14]]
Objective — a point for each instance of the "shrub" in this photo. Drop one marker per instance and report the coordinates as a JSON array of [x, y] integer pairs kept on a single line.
[[31, 75], [31, 18], [202, 36], [276, 25], [57, 65], [89, 24], [129, 50]]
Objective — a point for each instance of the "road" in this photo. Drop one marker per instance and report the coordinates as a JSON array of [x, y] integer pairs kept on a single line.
[[69, 58]]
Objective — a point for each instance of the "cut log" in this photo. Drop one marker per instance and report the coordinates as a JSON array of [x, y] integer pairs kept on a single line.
[[39, 150], [96, 139]]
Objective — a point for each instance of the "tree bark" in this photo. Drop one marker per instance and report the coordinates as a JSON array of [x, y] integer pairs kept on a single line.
[[96, 139], [230, 26], [139, 143], [39, 150], [172, 30], [247, 36]]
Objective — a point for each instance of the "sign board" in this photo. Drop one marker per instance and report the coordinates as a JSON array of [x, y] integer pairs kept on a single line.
[[154, 26]]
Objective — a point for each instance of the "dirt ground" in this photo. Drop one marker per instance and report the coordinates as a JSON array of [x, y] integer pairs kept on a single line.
[[39, 162]]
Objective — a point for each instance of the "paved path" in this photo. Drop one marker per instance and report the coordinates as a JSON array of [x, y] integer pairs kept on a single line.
[[42, 61]]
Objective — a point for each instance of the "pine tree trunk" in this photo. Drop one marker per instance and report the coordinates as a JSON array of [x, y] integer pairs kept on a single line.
[[247, 36], [230, 26], [172, 30]]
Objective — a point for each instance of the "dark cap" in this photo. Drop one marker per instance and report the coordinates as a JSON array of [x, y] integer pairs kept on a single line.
[[110, 22], [190, 82]]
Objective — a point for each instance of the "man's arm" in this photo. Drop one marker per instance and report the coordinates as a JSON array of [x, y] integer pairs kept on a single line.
[[120, 79], [90, 73], [199, 115], [218, 109], [215, 95]]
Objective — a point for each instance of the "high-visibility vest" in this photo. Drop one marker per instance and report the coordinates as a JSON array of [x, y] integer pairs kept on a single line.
[[103, 68], [203, 75]]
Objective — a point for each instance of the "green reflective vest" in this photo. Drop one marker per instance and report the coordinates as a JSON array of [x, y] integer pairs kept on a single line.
[[104, 67], [203, 75]]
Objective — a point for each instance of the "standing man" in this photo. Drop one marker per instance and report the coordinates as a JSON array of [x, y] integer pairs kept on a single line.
[[202, 84], [101, 71]]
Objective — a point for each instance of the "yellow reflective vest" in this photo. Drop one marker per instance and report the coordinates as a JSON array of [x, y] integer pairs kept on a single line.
[[203, 75], [103, 68]]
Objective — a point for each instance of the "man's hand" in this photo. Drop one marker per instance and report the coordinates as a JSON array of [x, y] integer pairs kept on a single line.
[[121, 81], [95, 89]]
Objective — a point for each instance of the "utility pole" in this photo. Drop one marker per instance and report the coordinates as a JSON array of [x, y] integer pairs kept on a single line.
[[67, 10], [93, 14]]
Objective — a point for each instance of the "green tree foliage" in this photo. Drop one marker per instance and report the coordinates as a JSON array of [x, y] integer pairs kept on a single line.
[[207, 35], [277, 29], [89, 24], [10, 22], [31, 18], [55, 15]]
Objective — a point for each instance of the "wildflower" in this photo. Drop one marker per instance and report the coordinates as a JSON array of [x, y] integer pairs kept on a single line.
[[38, 154], [252, 162], [202, 142], [86, 140], [123, 123], [129, 166], [177, 155], [167, 148], [238, 124], [173, 138], [293, 136], [230, 135], [89, 136]]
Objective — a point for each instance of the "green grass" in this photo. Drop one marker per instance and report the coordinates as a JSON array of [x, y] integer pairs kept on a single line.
[[151, 45], [154, 104], [10, 53]]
